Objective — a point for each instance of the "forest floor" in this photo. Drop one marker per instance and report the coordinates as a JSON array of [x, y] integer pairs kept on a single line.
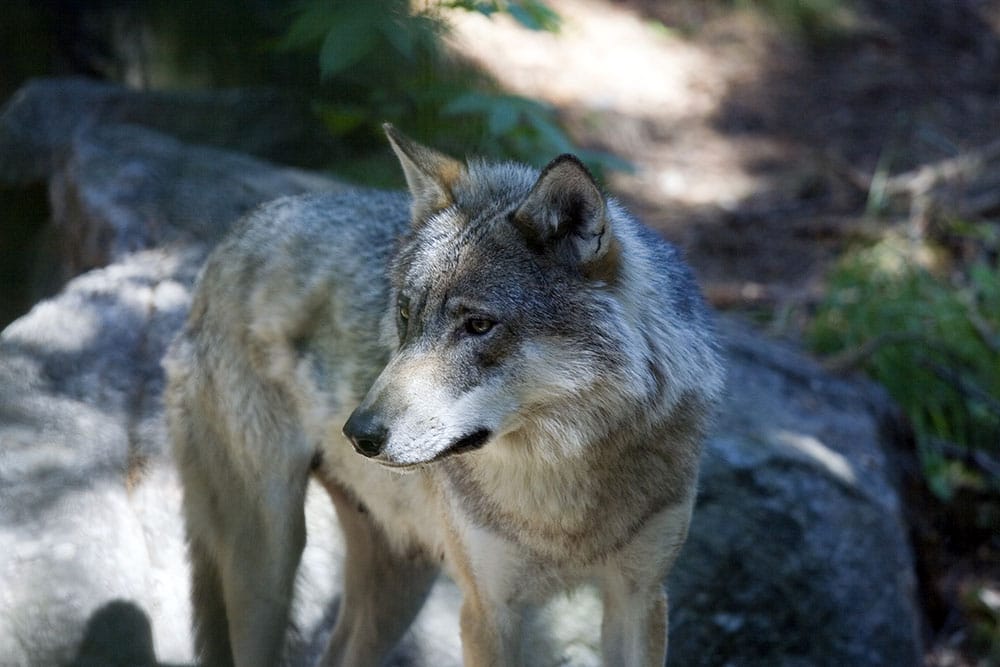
[[758, 147]]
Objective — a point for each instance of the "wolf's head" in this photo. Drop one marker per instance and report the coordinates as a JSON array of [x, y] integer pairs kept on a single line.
[[504, 315]]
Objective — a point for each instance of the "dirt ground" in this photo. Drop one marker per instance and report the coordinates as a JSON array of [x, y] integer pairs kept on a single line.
[[755, 147]]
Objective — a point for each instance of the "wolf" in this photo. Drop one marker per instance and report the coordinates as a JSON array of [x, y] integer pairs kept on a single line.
[[503, 373]]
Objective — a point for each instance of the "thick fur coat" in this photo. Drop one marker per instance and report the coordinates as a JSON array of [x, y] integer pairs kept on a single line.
[[504, 373]]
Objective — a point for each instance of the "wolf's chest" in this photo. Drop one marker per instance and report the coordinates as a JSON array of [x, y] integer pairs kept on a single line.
[[562, 517]]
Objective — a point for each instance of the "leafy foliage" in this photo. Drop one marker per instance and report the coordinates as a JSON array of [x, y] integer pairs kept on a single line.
[[381, 60], [348, 33], [933, 339], [523, 127]]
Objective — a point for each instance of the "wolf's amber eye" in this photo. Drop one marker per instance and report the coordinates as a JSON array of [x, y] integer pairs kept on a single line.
[[403, 308], [477, 326]]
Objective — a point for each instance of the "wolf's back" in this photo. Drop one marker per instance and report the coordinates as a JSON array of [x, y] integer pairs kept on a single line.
[[294, 275]]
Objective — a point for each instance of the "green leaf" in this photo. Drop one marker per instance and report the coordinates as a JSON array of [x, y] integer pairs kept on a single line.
[[401, 39], [348, 41], [484, 8], [502, 119], [468, 103], [312, 23], [534, 15]]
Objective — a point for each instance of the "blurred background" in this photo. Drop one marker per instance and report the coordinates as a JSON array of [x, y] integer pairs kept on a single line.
[[830, 167]]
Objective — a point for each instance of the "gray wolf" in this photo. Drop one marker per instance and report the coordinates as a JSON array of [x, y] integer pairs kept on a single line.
[[540, 364]]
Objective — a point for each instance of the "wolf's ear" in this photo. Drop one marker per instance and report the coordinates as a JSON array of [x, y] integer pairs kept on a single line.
[[431, 176], [566, 208]]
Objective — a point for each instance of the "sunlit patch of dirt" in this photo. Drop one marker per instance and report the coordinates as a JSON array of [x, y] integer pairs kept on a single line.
[[605, 57]]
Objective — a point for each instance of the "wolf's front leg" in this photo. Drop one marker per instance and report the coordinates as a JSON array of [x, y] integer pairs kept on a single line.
[[493, 579], [634, 629], [263, 550], [245, 541], [491, 634], [383, 589]]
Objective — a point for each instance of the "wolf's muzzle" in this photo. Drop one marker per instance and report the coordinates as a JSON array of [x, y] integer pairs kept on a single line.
[[366, 432]]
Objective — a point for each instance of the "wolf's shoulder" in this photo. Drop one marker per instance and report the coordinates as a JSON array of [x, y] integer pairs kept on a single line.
[[289, 252], [295, 232]]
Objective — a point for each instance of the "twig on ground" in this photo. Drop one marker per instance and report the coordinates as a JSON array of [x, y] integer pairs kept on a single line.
[[850, 360]]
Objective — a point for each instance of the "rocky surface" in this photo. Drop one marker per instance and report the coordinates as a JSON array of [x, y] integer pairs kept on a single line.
[[52, 128], [42, 119], [797, 554]]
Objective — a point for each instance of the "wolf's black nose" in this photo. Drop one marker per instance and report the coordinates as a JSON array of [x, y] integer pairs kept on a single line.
[[366, 433]]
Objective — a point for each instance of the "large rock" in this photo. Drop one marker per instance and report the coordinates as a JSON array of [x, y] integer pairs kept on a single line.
[[122, 188], [45, 131], [797, 554], [39, 122]]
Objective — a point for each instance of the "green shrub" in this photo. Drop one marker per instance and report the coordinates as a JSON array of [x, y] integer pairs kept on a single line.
[[382, 61], [933, 339]]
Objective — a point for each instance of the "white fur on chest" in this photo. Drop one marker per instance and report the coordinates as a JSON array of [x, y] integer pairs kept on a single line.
[[552, 493]]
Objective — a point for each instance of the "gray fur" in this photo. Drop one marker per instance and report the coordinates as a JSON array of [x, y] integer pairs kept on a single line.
[[520, 315]]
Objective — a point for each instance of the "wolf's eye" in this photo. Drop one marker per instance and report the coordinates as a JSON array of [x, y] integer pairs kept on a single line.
[[403, 309], [477, 326]]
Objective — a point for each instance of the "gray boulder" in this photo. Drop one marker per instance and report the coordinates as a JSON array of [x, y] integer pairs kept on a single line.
[[44, 128], [123, 188], [797, 554], [41, 119]]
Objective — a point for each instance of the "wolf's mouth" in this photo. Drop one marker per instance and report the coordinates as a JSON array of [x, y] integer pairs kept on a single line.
[[467, 443]]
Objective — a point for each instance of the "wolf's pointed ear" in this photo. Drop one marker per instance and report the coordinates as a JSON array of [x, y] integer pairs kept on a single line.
[[431, 176], [566, 208]]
